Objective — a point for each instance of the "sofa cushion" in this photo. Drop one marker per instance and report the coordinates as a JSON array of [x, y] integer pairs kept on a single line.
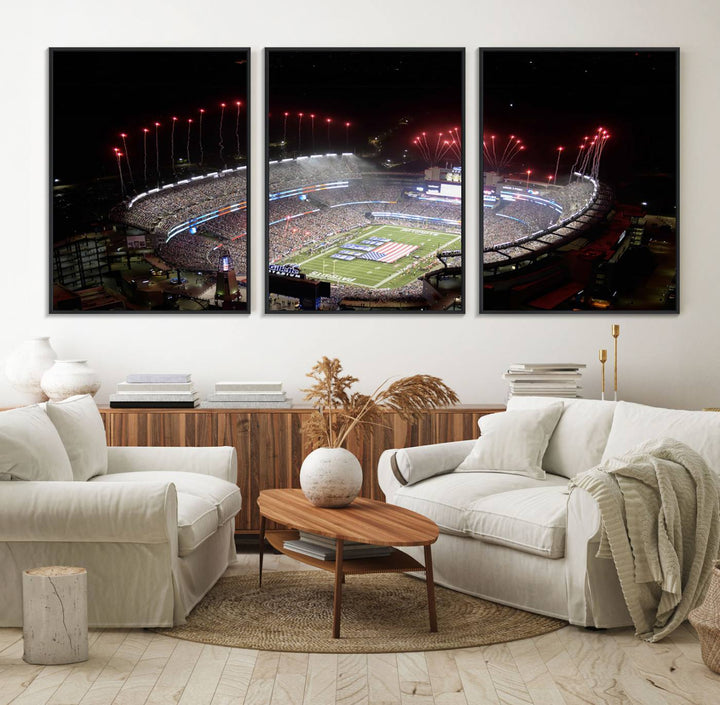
[[30, 447], [446, 499], [197, 521], [532, 520], [81, 429], [580, 437], [513, 442], [634, 424], [421, 462], [223, 495]]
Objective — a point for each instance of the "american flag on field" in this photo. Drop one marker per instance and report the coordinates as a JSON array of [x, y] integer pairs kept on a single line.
[[389, 252]]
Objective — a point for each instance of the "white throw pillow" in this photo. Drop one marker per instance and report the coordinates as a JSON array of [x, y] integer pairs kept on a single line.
[[634, 424], [81, 429], [513, 442], [579, 439], [30, 447]]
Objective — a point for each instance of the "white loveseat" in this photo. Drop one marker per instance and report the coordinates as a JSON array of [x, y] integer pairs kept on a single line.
[[529, 542], [154, 527]]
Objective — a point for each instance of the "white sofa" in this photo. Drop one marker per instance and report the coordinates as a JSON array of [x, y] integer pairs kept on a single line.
[[154, 527], [529, 542]]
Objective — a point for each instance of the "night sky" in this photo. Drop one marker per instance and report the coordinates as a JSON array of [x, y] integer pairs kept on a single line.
[[372, 89], [556, 97], [98, 94]]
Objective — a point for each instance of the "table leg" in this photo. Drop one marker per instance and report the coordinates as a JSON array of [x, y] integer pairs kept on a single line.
[[430, 588], [337, 597], [261, 549]]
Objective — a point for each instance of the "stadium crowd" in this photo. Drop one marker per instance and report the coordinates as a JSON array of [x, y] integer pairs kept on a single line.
[[510, 221], [201, 252], [158, 212], [292, 173]]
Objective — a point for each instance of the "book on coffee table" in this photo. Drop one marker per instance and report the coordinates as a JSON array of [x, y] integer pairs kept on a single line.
[[327, 553], [326, 541]]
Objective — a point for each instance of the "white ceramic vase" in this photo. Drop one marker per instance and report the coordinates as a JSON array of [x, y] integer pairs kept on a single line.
[[331, 477], [66, 378], [26, 366]]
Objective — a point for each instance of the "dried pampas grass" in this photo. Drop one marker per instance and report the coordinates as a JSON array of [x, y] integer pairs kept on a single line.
[[338, 410]]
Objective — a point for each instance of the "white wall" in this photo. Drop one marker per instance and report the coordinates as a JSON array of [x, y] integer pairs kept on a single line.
[[667, 360]]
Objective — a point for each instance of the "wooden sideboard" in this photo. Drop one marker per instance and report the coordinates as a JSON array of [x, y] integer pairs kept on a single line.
[[270, 443]]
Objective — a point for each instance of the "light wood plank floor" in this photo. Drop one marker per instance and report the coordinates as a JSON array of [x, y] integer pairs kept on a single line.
[[568, 667]]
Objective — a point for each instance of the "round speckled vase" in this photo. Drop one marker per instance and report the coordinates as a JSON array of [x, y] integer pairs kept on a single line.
[[331, 477], [66, 378]]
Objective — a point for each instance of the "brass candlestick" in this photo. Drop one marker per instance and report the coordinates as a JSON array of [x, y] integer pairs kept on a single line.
[[603, 360], [615, 330]]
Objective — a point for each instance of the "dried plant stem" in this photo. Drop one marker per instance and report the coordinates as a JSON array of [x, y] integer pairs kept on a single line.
[[338, 412], [359, 417]]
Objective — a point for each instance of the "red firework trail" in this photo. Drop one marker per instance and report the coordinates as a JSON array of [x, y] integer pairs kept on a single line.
[[434, 147], [512, 147]]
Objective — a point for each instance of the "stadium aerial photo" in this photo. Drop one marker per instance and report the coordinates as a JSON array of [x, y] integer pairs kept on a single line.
[[149, 153], [365, 180], [580, 180]]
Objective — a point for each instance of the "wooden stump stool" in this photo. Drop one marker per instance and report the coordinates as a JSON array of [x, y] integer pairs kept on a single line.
[[55, 615]]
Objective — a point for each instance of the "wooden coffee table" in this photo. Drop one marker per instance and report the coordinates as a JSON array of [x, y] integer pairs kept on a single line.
[[364, 520]]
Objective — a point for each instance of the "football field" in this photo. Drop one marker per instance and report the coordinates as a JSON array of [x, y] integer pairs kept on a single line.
[[373, 241]]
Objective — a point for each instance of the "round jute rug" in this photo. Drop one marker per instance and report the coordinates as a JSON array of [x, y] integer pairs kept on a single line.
[[380, 613]]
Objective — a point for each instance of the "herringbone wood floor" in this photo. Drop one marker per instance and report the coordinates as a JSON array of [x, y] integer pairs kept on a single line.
[[570, 666]]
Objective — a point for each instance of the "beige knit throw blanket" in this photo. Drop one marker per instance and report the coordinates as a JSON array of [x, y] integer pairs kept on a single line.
[[660, 524]]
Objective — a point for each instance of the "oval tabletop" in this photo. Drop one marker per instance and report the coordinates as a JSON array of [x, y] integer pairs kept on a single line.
[[365, 520]]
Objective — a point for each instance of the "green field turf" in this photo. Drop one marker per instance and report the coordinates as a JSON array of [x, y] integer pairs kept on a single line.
[[376, 275]]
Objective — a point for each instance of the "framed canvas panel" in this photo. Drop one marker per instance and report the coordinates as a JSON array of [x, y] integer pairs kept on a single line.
[[580, 180], [149, 151], [364, 180]]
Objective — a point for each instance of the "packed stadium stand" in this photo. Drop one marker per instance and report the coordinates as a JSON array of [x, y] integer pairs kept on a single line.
[[194, 222], [519, 222]]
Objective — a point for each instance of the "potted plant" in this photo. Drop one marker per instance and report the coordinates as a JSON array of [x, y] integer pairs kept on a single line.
[[331, 475]]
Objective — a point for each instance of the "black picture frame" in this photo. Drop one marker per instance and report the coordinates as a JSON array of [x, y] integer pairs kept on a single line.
[[309, 67], [106, 160], [620, 255]]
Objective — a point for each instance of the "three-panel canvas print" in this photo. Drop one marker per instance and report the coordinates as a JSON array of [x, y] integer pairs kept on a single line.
[[364, 192]]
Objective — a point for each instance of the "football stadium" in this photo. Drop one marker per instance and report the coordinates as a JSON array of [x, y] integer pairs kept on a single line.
[[344, 234]]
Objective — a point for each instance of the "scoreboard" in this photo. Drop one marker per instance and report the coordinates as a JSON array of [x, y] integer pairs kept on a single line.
[[444, 191], [444, 188]]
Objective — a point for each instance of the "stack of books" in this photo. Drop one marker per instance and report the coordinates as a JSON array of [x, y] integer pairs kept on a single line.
[[247, 395], [545, 379], [323, 548], [155, 391]]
